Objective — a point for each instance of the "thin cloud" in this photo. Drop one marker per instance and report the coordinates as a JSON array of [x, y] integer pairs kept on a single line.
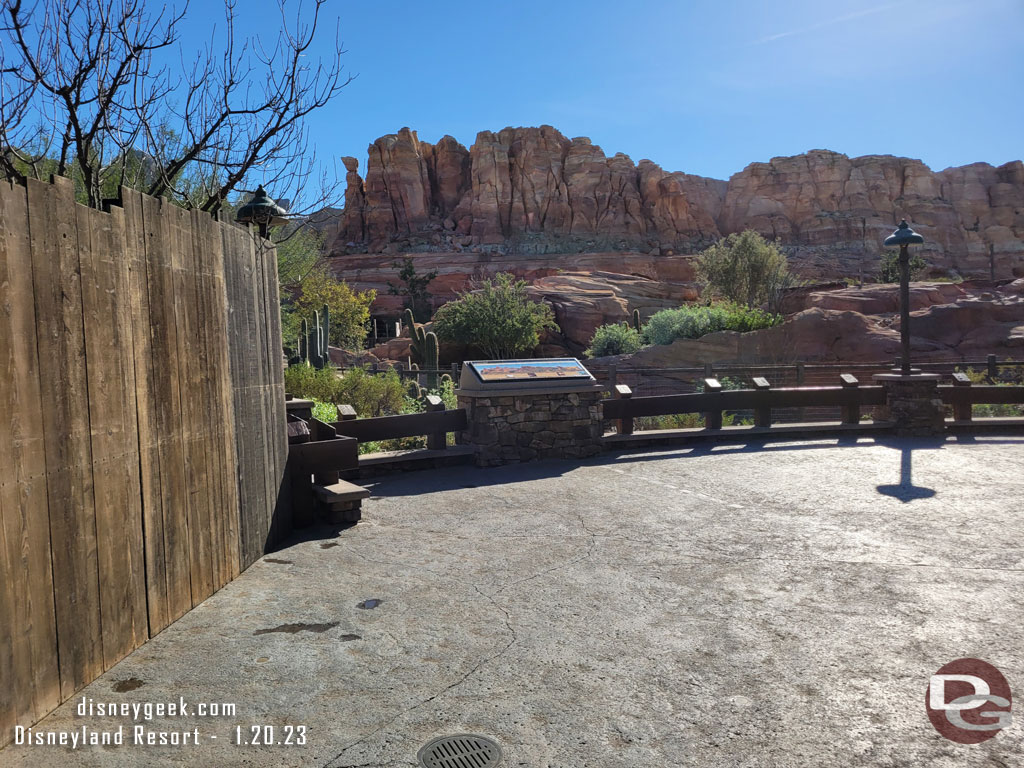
[[829, 23]]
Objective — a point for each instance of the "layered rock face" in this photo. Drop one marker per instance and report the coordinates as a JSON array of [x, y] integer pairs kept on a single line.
[[532, 190]]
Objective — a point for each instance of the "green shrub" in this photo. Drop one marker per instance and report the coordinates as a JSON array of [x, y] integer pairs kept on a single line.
[[744, 267], [614, 339], [889, 267], [324, 411], [381, 394], [498, 318], [692, 322], [308, 382]]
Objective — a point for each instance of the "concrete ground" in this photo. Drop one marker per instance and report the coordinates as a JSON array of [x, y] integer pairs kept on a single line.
[[730, 606]]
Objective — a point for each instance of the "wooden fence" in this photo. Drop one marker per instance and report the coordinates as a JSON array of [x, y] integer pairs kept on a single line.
[[142, 435]]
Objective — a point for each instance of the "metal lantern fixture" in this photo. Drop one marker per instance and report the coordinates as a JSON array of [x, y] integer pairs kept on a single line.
[[904, 236], [261, 211]]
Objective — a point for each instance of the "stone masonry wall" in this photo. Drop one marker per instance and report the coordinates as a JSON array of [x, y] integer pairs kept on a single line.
[[512, 428]]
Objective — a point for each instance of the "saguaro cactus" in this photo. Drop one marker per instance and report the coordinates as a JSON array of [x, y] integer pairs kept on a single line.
[[312, 342], [636, 320], [430, 355]]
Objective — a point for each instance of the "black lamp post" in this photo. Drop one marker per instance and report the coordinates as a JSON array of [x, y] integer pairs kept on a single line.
[[262, 211], [904, 236]]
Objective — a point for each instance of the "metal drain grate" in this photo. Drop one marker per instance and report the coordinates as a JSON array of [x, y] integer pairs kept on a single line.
[[462, 751]]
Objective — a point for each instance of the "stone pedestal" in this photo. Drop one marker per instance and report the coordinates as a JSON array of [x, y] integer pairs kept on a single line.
[[913, 404], [508, 427]]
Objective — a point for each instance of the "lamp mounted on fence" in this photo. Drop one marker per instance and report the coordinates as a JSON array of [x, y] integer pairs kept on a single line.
[[903, 237], [261, 211]]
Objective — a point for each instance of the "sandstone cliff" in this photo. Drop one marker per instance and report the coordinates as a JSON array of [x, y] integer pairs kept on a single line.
[[534, 191]]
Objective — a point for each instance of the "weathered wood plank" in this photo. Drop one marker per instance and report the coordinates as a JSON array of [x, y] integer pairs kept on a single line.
[[221, 363], [56, 244], [148, 427], [277, 506], [189, 381], [408, 425], [167, 408], [207, 405], [115, 455], [738, 400], [30, 683], [247, 369], [263, 512]]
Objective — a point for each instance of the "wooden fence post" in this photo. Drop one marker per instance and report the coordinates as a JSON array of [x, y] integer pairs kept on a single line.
[[319, 430], [962, 407], [712, 419], [346, 412], [613, 376], [800, 379], [455, 374], [851, 411], [436, 441], [624, 426], [762, 413], [993, 370]]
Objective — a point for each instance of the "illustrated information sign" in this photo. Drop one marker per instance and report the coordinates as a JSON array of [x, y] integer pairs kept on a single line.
[[529, 370]]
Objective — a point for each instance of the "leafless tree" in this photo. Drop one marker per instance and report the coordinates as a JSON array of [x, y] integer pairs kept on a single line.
[[103, 91]]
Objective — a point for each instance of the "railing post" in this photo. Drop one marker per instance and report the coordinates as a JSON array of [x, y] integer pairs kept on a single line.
[[436, 441], [962, 405], [712, 419], [455, 374], [709, 370], [800, 379], [346, 412], [613, 376], [763, 412], [624, 426], [851, 411], [993, 370], [319, 430]]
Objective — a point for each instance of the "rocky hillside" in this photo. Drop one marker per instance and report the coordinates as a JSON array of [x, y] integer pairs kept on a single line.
[[534, 191]]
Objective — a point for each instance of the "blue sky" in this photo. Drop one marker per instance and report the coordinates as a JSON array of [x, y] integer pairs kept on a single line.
[[701, 87]]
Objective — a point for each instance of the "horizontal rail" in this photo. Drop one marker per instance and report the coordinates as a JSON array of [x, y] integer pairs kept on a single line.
[[982, 394], [742, 400], [407, 425]]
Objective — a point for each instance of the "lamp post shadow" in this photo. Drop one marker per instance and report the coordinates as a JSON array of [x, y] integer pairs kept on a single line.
[[906, 491]]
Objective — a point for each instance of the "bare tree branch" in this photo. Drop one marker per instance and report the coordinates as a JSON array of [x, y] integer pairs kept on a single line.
[[91, 89]]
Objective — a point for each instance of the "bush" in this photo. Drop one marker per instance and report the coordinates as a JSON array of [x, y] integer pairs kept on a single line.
[[497, 318], [326, 412], [692, 322], [889, 267], [381, 394], [615, 339], [746, 269]]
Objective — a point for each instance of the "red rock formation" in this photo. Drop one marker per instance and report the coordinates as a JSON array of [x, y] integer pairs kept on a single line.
[[532, 190]]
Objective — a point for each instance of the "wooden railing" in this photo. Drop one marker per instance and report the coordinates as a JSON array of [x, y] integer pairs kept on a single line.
[[850, 397], [435, 423], [963, 395]]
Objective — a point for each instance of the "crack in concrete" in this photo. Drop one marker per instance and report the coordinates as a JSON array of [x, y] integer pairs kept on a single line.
[[482, 662], [473, 670]]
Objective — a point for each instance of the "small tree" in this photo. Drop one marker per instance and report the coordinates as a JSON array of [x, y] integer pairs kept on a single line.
[[745, 268], [413, 288], [889, 267], [497, 318], [350, 310]]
